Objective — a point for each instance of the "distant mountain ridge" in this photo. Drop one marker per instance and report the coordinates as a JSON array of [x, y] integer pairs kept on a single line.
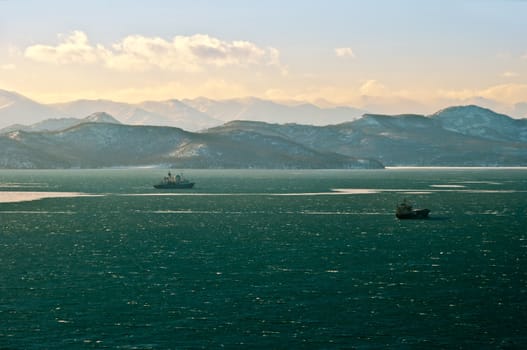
[[446, 138], [158, 113], [57, 124], [17, 109], [455, 136], [189, 114], [256, 109]]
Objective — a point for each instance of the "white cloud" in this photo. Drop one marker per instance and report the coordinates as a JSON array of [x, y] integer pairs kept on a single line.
[[372, 88], [510, 93], [504, 93], [73, 49], [344, 52], [141, 53]]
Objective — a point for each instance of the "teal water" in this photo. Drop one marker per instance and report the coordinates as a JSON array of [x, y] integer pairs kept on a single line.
[[263, 259]]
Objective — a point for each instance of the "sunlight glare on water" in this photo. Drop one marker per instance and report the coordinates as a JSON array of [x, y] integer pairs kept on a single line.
[[263, 259]]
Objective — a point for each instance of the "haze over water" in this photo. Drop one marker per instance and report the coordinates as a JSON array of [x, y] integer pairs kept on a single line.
[[263, 259]]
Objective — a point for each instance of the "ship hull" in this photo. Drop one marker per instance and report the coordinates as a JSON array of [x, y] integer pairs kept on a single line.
[[415, 214], [171, 186]]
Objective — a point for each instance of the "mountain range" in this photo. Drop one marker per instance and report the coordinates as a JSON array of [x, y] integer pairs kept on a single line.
[[455, 136], [95, 145], [189, 114], [55, 124]]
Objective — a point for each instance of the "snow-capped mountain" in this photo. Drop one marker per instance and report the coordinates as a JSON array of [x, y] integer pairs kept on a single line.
[[161, 113], [447, 138], [482, 122], [189, 114], [255, 109], [100, 117], [408, 140], [17, 109], [202, 113], [94, 145], [57, 124], [178, 114], [82, 108]]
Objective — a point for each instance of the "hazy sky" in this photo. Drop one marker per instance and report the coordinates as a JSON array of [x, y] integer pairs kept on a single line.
[[411, 55]]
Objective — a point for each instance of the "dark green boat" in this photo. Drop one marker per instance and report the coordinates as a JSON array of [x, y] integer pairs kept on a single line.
[[405, 211], [174, 182]]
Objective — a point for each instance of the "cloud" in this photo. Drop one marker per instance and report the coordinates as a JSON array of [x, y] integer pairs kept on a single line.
[[344, 52], [73, 49], [187, 53], [372, 88], [504, 93], [510, 93], [142, 53]]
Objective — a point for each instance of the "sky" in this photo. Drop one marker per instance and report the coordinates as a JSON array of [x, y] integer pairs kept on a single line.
[[408, 56]]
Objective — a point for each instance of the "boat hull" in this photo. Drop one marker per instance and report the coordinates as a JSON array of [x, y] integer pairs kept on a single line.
[[171, 186], [414, 214]]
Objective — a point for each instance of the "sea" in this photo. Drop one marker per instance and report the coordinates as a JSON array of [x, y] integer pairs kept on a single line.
[[263, 259]]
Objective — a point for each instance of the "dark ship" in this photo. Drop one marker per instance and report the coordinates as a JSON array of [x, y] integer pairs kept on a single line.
[[405, 211], [170, 182]]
